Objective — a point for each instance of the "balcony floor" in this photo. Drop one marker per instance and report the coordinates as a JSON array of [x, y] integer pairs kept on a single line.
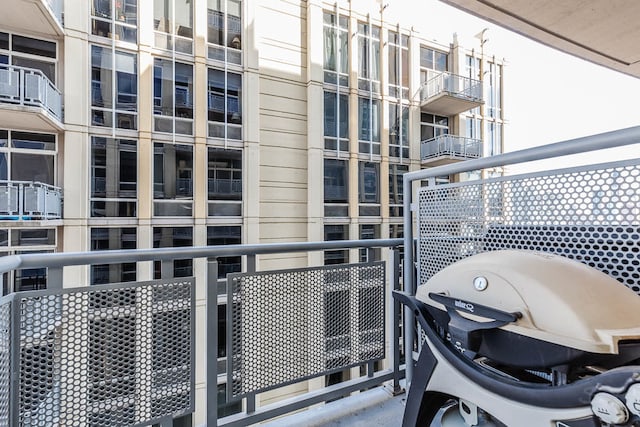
[[371, 408]]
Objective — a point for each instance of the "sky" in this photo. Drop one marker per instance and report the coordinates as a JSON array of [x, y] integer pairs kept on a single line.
[[549, 96]]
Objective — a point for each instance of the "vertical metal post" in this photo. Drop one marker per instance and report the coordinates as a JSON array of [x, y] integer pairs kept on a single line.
[[408, 277], [251, 397], [370, 368], [251, 263], [14, 363], [395, 285], [54, 278], [212, 342], [166, 269]]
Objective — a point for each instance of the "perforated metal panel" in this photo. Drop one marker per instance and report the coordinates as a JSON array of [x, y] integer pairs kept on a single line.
[[590, 214], [5, 366], [115, 355], [289, 325]]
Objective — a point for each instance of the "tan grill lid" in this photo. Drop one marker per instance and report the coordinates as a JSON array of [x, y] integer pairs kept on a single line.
[[561, 300]]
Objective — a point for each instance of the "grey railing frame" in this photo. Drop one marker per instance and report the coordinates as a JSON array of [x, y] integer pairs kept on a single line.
[[50, 99], [445, 146], [47, 211], [447, 82], [617, 138], [56, 261]]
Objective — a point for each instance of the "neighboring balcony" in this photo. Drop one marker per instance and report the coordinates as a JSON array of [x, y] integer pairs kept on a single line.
[[445, 149], [449, 94], [230, 188], [24, 201], [34, 16], [28, 100]]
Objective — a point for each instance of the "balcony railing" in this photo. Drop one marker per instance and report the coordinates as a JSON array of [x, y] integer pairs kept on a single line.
[[228, 187], [29, 87], [450, 146], [24, 200], [449, 94], [125, 354]]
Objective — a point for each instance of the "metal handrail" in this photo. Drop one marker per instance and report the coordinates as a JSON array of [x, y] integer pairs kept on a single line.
[[29, 86], [62, 259], [28, 199], [450, 145], [56, 261], [455, 84]]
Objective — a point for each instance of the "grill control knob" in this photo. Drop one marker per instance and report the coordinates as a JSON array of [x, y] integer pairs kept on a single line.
[[609, 409], [633, 399]]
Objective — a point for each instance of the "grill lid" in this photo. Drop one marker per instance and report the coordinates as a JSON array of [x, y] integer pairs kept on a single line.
[[561, 300]]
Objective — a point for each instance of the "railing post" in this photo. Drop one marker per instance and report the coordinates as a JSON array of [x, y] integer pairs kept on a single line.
[[251, 397], [212, 342], [54, 278], [15, 350], [395, 323]]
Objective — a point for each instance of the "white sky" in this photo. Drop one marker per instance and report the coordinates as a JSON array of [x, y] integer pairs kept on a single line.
[[550, 96]]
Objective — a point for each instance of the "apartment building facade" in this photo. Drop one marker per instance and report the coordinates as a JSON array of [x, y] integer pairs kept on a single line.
[[131, 124]]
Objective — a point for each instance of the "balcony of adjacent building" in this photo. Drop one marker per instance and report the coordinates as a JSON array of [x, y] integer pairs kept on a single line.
[[29, 100], [449, 94], [42, 17], [445, 149], [32, 202]]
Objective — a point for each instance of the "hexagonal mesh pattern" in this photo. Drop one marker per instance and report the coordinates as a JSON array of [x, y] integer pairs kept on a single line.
[[5, 366], [590, 214], [286, 326], [115, 355]]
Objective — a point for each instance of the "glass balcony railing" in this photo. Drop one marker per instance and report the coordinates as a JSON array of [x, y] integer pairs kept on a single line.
[[24, 200], [29, 87], [450, 94], [452, 146]]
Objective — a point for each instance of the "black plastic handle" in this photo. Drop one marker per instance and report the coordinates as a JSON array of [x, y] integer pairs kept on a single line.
[[473, 308]]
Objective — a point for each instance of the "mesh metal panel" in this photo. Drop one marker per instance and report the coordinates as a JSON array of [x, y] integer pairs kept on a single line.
[[115, 355], [590, 214], [289, 325], [5, 366]]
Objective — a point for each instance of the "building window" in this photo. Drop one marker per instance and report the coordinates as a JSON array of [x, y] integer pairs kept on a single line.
[[369, 231], [225, 235], [472, 71], [173, 25], [17, 241], [29, 53], [396, 188], [399, 131], [369, 188], [114, 178], [494, 102], [336, 188], [103, 239], [114, 88], [172, 97], [172, 237], [473, 128], [118, 15], [494, 138], [224, 93], [432, 126], [224, 30], [27, 156], [336, 232], [336, 122], [432, 61], [224, 182], [368, 57], [398, 65], [172, 180], [336, 51], [369, 125]]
